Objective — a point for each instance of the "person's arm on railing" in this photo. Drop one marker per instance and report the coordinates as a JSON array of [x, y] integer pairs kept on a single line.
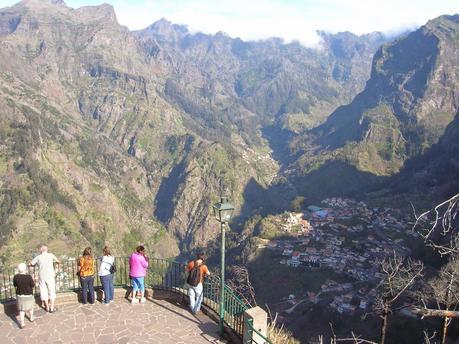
[[55, 260], [206, 271], [34, 261]]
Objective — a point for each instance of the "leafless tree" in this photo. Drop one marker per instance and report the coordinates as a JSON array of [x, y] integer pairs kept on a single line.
[[400, 274], [241, 285], [443, 292], [439, 229], [428, 339], [438, 226], [352, 339]]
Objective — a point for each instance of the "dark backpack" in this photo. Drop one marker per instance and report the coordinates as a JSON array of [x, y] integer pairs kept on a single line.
[[112, 268], [194, 276]]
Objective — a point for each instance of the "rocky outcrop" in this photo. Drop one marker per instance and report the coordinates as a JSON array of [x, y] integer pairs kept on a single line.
[[208, 74], [126, 137], [410, 99]]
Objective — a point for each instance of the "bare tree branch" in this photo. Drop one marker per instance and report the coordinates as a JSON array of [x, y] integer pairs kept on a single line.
[[443, 291], [354, 339], [438, 226], [400, 275], [427, 338], [425, 312], [241, 285]]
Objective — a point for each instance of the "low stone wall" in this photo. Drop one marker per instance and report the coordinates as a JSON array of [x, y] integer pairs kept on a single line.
[[71, 297]]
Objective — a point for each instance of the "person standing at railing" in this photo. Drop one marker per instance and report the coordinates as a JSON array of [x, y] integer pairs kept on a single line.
[[138, 264], [45, 262], [106, 273], [24, 285], [197, 270], [86, 273]]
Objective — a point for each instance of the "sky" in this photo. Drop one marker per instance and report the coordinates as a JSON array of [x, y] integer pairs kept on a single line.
[[287, 19]]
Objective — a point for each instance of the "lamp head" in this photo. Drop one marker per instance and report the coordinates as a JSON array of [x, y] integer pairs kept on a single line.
[[223, 210]]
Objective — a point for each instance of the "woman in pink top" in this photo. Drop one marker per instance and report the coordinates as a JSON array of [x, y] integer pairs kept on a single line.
[[138, 264]]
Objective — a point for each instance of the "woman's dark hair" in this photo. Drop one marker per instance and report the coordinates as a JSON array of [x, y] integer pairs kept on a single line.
[[87, 252], [106, 251], [200, 256], [140, 248]]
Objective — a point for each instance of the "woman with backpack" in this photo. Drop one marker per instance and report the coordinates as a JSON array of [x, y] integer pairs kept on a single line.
[[106, 274], [197, 270], [86, 273]]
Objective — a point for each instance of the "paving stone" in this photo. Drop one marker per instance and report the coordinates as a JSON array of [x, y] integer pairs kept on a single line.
[[123, 340], [157, 321]]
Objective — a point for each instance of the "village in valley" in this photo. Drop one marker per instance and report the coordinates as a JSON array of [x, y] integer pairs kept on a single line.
[[344, 236]]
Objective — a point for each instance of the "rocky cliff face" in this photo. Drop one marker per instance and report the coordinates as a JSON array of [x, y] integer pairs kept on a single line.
[[249, 84], [73, 98], [123, 137], [433, 174], [408, 102]]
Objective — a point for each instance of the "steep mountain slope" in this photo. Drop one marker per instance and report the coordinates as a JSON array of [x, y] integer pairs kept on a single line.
[[120, 137], [218, 79], [434, 174], [84, 133], [410, 99], [64, 182]]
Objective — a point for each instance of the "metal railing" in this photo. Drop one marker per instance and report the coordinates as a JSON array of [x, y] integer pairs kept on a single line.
[[66, 277], [234, 306], [162, 275], [255, 337]]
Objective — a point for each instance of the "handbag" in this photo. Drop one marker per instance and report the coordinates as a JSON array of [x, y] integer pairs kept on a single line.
[[112, 268]]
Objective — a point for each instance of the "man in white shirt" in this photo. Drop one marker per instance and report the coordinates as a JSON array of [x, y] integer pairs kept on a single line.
[[45, 262]]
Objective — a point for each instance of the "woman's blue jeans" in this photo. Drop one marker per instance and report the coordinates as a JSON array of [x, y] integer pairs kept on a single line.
[[107, 285], [87, 284]]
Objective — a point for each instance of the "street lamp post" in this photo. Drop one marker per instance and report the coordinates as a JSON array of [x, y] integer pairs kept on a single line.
[[222, 212]]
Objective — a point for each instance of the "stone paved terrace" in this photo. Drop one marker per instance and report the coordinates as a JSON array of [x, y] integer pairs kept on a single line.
[[156, 321]]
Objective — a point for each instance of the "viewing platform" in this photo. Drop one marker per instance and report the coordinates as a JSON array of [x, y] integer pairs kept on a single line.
[[161, 319], [164, 317]]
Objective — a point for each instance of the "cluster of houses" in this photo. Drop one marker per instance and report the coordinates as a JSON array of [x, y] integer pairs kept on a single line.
[[348, 298], [346, 236]]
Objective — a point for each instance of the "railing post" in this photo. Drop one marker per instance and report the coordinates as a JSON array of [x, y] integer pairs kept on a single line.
[[255, 326]]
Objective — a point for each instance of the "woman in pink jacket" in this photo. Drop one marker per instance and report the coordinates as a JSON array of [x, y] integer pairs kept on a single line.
[[138, 264]]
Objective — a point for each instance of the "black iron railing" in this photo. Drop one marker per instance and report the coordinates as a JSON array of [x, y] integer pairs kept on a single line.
[[162, 275], [66, 277]]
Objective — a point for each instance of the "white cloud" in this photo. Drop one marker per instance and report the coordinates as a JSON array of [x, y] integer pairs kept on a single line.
[[287, 19]]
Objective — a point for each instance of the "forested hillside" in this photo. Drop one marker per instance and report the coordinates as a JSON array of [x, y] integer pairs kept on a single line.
[[116, 136]]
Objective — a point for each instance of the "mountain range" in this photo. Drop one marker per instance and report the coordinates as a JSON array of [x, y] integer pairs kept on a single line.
[[116, 136], [408, 103]]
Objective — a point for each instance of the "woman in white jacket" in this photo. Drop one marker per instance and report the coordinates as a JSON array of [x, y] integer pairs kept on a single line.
[[106, 275]]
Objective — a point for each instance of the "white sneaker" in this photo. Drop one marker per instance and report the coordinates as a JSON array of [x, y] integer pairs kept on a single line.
[[143, 300], [135, 300], [112, 301]]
